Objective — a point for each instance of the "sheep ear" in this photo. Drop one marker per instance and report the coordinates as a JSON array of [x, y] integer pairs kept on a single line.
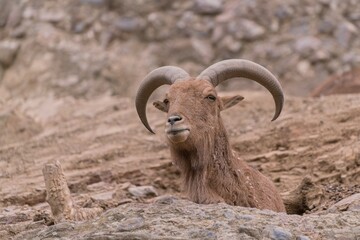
[[228, 102], [161, 106]]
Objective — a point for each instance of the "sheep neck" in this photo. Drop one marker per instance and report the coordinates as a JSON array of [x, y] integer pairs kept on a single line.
[[211, 156]]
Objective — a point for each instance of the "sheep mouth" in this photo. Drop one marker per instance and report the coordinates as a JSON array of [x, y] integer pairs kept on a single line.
[[176, 131], [177, 135]]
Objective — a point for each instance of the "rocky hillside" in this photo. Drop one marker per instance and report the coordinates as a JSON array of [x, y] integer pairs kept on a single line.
[[85, 48]]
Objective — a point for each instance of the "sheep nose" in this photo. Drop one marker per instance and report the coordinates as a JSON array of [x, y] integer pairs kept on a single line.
[[174, 119]]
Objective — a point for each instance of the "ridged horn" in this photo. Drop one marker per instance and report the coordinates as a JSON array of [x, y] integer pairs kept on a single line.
[[224, 70], [156, 78]]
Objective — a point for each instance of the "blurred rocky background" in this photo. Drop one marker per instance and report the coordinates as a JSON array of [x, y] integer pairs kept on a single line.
[[85, 48]]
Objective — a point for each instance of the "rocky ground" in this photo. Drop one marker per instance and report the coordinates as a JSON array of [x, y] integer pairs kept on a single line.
[[68, 74]]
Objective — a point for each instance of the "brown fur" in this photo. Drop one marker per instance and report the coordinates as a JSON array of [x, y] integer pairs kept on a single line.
[[212, 171]]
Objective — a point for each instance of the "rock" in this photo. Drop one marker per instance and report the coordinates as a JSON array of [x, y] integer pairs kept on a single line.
[[130, 224], [246, 29], [305, 46], [204, 49], [19, 32], [1, 72], [326, 26], [250, 231], [4, 12], [8, 51], [231, 44], [188, 220], [15, 17], [158, 27], [129, 24], [166, 199], [143, 191], [52, 16], [344, 33], [80, 27], [283, 12], [351, 203], [97, 3], [208, 6], [278, 233], [302, 238]]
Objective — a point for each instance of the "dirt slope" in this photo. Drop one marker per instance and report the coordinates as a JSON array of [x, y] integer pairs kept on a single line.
[[103, 147]]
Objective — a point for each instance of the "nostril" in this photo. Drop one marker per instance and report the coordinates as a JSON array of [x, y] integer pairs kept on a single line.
[[174, 119]]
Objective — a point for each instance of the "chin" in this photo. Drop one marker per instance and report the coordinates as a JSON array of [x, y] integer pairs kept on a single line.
[[178, 137]]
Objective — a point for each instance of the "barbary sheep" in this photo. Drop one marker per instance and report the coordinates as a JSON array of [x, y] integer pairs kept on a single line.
[[198, 141]]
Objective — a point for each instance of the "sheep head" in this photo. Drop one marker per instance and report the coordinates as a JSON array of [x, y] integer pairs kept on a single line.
[[193, 109], [194, 102]]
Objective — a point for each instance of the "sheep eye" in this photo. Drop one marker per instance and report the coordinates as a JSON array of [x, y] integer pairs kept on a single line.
[[211, 98], [166, 101]]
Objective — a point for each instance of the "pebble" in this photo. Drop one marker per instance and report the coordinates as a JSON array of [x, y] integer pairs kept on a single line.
[[302, 238], [8, 50], [208, 6], [1, 72], [128, 24], [143, 191], [305, 46], [4, 12], [246, 29], [98, 3], [204, 49], [250, 231], [344, 33], [278, 233]]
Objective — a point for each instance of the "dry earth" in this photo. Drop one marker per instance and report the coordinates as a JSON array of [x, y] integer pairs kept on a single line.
[[103, 149]]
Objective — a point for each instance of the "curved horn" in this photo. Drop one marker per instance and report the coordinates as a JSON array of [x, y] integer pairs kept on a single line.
[[231, 68], [156, 78]]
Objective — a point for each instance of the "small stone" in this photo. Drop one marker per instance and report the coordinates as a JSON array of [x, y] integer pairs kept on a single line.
[[302, 238], [167, 199], [283, 12], [98, 3], [56, 230], [52, 16], [128, 24], [305, 46], [246, 29], [8, 51], [208, 7], [204, 49], [19, 32], [344, 33], [130, 224], [304, 67], [229, 214], [1, 72], [106, 38], [351, 203], [4, 12], [278, 233], [233, 45], [79, 27], [250, 231], [326, 26], [143, 191], [15, 17]]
